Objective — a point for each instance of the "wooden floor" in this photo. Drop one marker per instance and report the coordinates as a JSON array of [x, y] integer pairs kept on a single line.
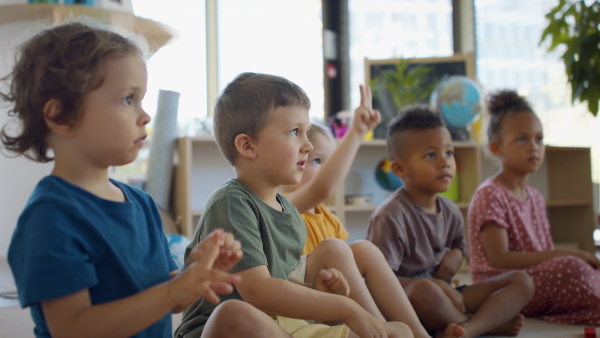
[[16, 322]]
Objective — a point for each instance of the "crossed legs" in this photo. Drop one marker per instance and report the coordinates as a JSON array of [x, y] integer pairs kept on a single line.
[[492, 306]]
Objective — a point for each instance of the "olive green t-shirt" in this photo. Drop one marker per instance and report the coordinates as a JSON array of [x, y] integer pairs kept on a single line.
[[268, 236]]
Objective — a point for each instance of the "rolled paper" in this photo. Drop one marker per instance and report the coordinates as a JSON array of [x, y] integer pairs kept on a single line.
[[162, 148]]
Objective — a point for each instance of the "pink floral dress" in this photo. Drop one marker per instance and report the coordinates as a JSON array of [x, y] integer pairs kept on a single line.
[[567, 288]]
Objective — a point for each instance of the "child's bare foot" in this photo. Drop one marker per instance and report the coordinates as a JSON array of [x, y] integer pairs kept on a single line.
[[451, 331], [510, 328]]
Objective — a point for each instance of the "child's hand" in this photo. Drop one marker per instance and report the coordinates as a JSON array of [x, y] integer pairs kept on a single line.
[[331, 281], [199, 278], [455, 296], [449, 265], [589, 258], [230, 254], [365, 117], [230, 251], [364, 324]]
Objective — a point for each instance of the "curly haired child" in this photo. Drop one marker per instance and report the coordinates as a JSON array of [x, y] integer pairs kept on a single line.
[[89, 255]]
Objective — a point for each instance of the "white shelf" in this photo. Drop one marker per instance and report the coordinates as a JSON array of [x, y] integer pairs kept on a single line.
[[359, 208], [156, 33]]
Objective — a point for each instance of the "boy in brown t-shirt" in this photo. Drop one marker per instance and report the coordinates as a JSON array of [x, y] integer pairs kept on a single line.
[[421, 235]]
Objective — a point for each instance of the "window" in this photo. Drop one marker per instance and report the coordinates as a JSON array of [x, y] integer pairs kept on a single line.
[[180, 65], [509, 57], [389, 29], [275, 37]]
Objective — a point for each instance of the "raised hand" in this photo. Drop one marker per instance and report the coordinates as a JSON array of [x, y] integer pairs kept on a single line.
[[365, 117], [331, 281]]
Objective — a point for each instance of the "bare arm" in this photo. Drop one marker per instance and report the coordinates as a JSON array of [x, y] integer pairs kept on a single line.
[[334, 170], [495, 243], [449, 265], [74, 315], [282, 297]]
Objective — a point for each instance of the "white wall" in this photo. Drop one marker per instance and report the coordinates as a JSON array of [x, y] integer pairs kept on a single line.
[[18, 176]]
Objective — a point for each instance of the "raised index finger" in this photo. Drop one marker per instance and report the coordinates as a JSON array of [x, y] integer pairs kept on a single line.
[[369, 96], [363, 95]]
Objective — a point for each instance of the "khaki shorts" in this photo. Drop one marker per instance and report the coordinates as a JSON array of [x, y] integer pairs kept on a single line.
[[300, 270], [299, 328]]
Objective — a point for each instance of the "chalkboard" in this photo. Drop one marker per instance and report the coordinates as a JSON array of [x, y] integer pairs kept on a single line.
[[460, 64]]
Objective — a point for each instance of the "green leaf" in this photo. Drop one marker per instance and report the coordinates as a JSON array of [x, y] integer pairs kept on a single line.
[[581, 39]]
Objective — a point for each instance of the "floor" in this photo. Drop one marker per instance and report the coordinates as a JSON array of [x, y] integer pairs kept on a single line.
[[16, 322]]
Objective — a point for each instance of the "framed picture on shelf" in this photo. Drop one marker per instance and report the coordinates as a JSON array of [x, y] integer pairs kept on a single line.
[[397, 83]]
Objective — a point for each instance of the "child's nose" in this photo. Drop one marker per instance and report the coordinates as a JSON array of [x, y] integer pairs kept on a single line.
[[144, 119], [308, 147], [445, 162]]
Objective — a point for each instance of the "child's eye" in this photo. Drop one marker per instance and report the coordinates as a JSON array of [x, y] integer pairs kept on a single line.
[[317, 161], [522, 139], [430, 155], [294, 132], [128, 100], [449, 153], [540, 139]]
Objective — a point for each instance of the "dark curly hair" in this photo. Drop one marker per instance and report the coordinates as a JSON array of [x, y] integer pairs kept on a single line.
[[500, 104], [415, 117], [64, 63]]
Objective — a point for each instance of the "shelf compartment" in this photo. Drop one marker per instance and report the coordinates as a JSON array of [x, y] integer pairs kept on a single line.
[[359, 208], [568, 203]]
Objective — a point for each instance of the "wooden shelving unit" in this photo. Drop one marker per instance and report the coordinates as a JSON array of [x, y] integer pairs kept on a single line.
[[564, 179], [156, 33]]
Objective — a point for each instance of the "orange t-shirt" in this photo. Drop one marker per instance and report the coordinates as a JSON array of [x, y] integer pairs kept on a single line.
[[320, 225]]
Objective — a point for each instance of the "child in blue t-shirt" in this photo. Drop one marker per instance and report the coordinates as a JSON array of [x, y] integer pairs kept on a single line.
[[89, 255]]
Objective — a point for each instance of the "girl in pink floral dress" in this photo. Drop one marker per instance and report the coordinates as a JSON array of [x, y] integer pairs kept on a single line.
[[509, 230]]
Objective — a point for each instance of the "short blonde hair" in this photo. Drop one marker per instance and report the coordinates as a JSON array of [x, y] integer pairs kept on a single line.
[[319, 129], [245, 104]]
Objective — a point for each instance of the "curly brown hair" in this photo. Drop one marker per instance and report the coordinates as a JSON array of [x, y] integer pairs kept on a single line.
[[64, 63], [501, 103]]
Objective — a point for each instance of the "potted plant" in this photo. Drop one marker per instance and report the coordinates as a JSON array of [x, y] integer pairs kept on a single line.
[[574, 24], [406, 84]]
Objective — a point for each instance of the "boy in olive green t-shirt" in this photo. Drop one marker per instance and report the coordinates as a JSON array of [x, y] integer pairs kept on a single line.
[[261, 124]]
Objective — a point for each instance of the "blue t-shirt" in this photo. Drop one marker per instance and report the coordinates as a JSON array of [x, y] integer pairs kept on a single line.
[[68, 240]]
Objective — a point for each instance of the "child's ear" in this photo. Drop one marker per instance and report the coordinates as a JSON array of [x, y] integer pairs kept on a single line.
[[495, 148], [398, 168], [245, 146], [53, 109]]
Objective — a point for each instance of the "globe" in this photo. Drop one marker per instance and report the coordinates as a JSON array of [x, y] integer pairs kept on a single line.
[[385, 177], [459, 100]]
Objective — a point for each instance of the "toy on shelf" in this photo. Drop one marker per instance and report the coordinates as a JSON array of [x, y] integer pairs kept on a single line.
[[385, 177]]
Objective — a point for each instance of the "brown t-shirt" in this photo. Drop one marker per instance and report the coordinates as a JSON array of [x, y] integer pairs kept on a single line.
[[412, 240]]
